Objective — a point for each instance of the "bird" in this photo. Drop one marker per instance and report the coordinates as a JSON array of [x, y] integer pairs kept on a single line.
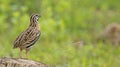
[[29, 36]]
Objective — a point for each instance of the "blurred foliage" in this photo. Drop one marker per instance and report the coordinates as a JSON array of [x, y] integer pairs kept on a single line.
[[62, 23]]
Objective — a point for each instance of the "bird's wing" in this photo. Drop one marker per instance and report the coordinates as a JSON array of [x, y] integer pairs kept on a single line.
[[33, 39], [17, 41], [30, 38]]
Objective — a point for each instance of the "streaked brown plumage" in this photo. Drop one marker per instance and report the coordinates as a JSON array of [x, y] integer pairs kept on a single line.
[[28, 37]]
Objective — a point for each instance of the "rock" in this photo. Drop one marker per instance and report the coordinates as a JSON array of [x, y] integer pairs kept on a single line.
[[14, 62]]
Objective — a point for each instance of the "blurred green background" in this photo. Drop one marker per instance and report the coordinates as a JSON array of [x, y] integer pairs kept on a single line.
[[68, 31]]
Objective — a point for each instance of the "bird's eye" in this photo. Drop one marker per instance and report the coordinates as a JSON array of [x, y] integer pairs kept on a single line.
[[37, 18]]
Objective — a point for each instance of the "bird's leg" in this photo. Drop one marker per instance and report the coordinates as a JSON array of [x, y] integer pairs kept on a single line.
[[20, 53], [27, 53]]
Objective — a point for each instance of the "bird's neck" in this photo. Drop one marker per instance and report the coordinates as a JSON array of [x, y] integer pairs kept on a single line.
[[34, 24]]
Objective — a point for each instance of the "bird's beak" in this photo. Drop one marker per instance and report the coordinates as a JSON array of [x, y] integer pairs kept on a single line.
[[39, 16]]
